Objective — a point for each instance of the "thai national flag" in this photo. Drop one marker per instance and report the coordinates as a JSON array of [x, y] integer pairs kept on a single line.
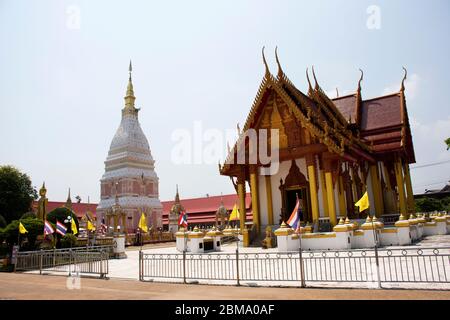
[[60, 228], [294, 219], [182, 220], [48, 229]]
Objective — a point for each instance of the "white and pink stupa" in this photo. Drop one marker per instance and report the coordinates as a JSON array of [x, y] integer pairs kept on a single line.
[[130, 180]]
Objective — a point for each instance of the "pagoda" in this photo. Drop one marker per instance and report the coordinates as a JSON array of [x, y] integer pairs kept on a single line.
[[130, 180]]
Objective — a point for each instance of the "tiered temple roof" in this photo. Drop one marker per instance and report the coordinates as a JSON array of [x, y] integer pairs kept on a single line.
[[349, 126]]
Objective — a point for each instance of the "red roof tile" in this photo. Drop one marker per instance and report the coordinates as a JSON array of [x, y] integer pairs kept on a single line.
[[381, 112], [79, 208], [347, 106], [207, 204]]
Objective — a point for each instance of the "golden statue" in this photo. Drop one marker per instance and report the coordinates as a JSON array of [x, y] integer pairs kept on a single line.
[[42, 204], [268, 240]]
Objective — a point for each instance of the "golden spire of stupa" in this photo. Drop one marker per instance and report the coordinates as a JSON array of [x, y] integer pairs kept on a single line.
[[129, 98]]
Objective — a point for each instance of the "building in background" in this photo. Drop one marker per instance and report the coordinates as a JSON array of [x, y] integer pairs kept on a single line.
[[201, 211]]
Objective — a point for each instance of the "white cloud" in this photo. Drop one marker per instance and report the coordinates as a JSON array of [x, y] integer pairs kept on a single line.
[[411, 86], [429, 146]]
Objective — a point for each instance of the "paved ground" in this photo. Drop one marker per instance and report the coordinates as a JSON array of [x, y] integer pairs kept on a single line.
[[29, 286]]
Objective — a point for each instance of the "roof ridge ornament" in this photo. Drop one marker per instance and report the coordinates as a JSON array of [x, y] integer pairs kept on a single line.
[[315, 79], [280, 70], [310, 89], [360, 79], [402, 88], [265, 62]]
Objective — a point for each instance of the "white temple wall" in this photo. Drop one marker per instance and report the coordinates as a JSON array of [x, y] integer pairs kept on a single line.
[[263, 210]]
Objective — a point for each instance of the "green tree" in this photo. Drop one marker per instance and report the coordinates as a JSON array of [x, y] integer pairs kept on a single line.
[[68, 241], [447, 141], [61, 214], [16, 193], [427, 204]]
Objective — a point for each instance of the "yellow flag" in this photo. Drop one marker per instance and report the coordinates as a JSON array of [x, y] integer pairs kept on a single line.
[[363, 203], [234, 214], [143, 223], [90, 226], [22, 229], [73, 226]]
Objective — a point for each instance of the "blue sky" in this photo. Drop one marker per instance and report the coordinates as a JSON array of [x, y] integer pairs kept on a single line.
[[62, 87]]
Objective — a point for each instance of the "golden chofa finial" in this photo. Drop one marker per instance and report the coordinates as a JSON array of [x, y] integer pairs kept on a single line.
[[316, 86], [265, 62], [402, 88], [310, 89], [360, 79], [280, 70]]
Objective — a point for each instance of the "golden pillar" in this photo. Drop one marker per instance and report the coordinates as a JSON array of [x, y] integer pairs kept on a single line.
[[313, 191], [330, 198], [124, 223], [409, 190], [269, 199], [376, 190], [116, 222], [255, 196], [390, 197], [400, 186], [241, 195], [323, 187], [341, 192]]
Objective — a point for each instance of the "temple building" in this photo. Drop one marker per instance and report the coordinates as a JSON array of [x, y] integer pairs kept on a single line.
[[130, 182], [331, 151]]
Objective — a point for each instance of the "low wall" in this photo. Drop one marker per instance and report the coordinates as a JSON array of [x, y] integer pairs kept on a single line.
[[349, 235]]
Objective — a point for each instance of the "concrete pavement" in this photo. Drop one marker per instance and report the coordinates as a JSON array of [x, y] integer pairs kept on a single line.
[[30, 286]]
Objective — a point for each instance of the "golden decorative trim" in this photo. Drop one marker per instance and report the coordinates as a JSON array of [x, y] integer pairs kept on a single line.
[[390, 230], [318, 235]]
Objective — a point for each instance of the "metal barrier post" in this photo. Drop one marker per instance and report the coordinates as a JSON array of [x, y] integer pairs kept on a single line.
[[300, 255], [40, 261], [70, 261], [377, 262], [102, 256], [140, 266], [54, 258], [184, 265], [237, 266]]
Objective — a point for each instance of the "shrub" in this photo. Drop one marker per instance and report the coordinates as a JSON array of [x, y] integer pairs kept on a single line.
[[427, 204], [68, 241], [35, 227], [30, 214], [2, 222], [61, 214]]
